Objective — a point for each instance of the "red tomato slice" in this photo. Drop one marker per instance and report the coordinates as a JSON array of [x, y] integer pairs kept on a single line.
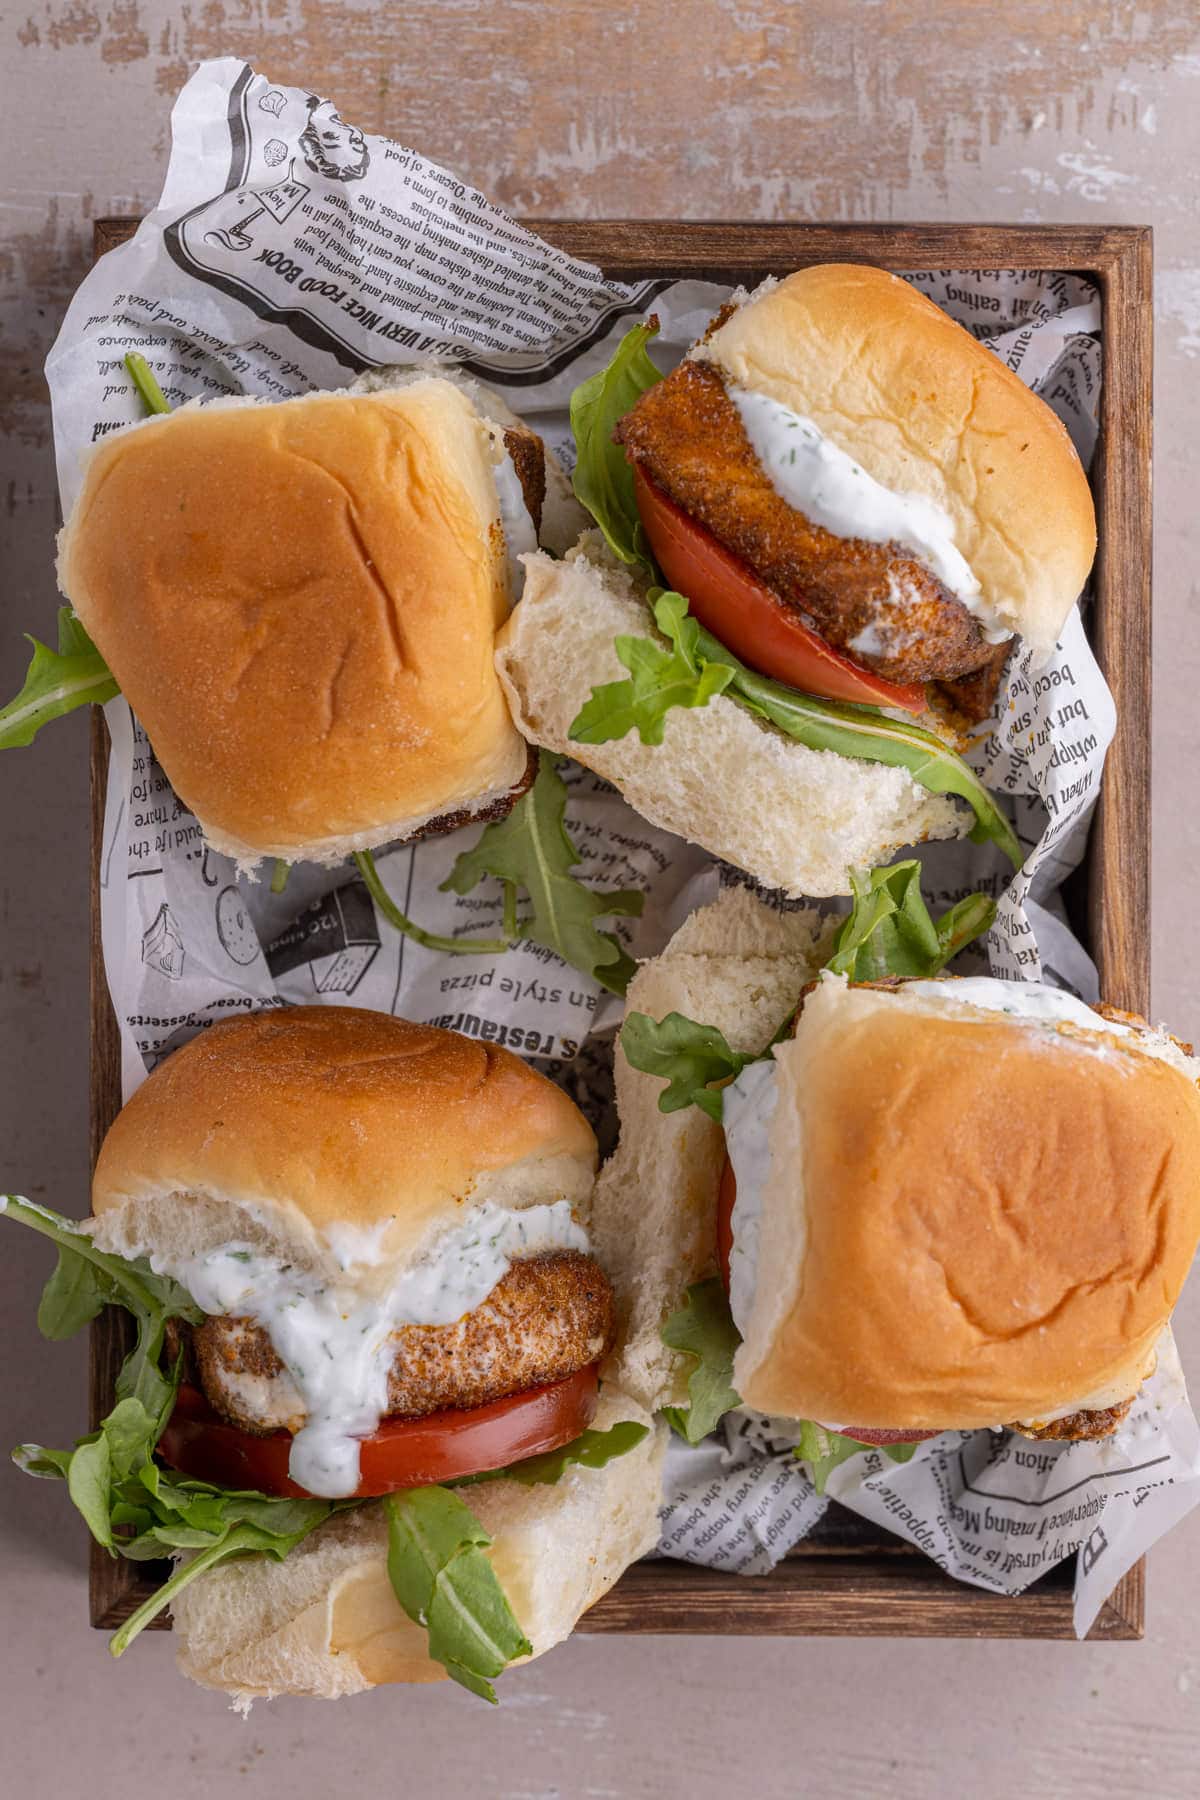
[[403, 1453], [730, 601], [726, 1197]]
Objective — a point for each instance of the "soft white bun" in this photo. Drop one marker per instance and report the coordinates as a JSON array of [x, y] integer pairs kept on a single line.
[[894, 382], [794, 818], [739, 965], [325, 1622], [969, 1217], [300, 602], [562, 516], [331, 1135]]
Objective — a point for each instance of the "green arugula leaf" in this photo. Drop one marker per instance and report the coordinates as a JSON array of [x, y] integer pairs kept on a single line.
[[603, 477], [89, 1483], [861, 732], [111, 1475], [889, 930], [115, 1485], [445, 1582], [56, 683], [71, 1300], [234, 1536], [100, 1465], [966, 920], [659, 680], [140, 1378], [690, 1056], [590, 1450], [823, 1450], [531, 850], [46, 1465], [142, 376], [134, 1283], [401, 922], [703, 1328], [131, 1434], [75, 1293], [59, 681]]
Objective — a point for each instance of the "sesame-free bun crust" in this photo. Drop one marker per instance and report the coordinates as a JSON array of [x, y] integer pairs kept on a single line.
[[325, 1622], [794, 818], [300, 600], [925, 409], [970, 1218], [331, 1131]]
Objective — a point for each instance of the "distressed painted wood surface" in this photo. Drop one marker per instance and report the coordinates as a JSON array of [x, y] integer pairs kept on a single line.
[[747, 109]]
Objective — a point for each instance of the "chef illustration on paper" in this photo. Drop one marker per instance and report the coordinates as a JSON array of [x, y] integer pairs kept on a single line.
[[329, 147]]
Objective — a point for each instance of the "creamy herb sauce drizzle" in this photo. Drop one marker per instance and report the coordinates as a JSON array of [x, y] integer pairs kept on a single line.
[[1023, 999], [335, 1340], [818, 479], [520, 537]]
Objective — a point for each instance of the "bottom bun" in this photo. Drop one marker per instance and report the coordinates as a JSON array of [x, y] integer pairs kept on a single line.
[[477, 809], [794, 818], [325, 1622], [738, 965]]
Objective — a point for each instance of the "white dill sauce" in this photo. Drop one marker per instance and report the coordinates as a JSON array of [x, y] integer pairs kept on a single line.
[[1021, 999], [749, 1107], [335, 1341], [821, 481], [520, 537]]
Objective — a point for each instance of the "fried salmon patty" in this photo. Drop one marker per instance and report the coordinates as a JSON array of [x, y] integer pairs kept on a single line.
[[547, 1317], [874, 602], [529, 460], [1100, 1423]]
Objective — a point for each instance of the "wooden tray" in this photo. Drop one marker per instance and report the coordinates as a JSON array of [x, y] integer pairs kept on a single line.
[[850, 1578]]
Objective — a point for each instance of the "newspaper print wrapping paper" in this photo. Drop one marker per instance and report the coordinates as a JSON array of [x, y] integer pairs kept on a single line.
[[291, 251]]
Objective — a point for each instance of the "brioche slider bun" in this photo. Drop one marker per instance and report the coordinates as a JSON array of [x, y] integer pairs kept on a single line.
[[334, 1137], [385, 1228], [947, 1215], [969, 1217], [328, 1151], [925, 409], [300, 602]]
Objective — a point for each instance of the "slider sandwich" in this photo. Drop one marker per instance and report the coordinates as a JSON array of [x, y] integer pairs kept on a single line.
[[364, 1405], [300, 600], [822, 534], [910, 1205]]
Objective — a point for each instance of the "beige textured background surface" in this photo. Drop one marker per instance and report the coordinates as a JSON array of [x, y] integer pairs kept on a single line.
[[881, 109]]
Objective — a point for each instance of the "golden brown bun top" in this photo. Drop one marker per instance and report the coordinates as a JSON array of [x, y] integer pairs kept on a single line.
[[924, 408], [332, 1116], [970, 1220], [299, 601]]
